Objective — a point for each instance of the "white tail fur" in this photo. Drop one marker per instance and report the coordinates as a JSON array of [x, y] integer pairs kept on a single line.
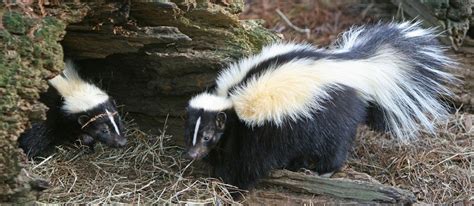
[[79, 95]]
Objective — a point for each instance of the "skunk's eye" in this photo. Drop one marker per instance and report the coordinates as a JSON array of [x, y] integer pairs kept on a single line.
[[206, 138], [105, 131]]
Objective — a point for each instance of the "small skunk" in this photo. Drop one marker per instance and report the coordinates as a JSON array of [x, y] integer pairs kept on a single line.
[[79, 111], [294, 105]]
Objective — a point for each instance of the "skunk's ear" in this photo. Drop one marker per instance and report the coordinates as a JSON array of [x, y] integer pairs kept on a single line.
[[82, 119], [220, 120]]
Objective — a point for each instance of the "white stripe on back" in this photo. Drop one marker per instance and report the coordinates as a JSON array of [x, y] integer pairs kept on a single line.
[[111, 117], [196, 129]]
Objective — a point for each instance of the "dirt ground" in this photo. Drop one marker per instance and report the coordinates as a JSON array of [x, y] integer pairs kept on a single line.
[[438, 169]]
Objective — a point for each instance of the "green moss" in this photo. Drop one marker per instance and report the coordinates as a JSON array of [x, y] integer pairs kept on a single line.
[[5, 37], [17, 23], [259, 35], [7, 72], [51, 30], [236, 7]]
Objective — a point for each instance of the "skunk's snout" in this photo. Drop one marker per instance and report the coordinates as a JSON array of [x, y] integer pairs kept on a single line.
[[121, 142], [188, 155], [117, 141], [192, 154], [196, 153]]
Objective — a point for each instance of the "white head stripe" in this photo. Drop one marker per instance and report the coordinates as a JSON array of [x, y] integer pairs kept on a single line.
[[111, 117], [196, 129]]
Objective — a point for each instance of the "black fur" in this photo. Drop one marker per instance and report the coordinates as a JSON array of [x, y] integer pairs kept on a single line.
[[243, 155], [38, 140]]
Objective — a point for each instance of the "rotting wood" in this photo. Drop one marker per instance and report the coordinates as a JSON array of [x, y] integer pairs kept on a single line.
[[356, 190]]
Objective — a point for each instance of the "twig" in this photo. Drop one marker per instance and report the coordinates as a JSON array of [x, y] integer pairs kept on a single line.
[[74, 183], [42, 162], [40, 5], [298, 29]]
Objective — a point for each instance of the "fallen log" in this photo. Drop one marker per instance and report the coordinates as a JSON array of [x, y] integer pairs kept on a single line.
[[356, 190]]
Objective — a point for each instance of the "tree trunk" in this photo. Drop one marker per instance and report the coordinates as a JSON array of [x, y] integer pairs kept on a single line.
[[31, 55]]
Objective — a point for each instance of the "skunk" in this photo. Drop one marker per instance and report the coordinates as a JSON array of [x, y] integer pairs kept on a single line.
[[293, 105], [78, 110]]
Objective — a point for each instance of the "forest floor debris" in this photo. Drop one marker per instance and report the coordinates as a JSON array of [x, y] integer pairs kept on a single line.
[[152, 170]]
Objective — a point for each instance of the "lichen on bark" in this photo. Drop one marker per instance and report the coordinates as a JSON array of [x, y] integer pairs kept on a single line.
[[31, 55]]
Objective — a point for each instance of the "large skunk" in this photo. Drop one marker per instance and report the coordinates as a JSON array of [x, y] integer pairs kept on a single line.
[[78, 110], [294, 105]]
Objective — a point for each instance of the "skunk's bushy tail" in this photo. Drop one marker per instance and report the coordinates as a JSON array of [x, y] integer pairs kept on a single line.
[[397, 68], [412, 64]]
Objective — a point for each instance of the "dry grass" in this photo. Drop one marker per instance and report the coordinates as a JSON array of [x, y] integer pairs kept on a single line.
[[437, 169], [149, 170]]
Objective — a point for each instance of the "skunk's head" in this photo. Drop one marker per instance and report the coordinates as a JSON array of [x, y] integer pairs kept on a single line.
[[103, 124], [90, 108], [206, 121]]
